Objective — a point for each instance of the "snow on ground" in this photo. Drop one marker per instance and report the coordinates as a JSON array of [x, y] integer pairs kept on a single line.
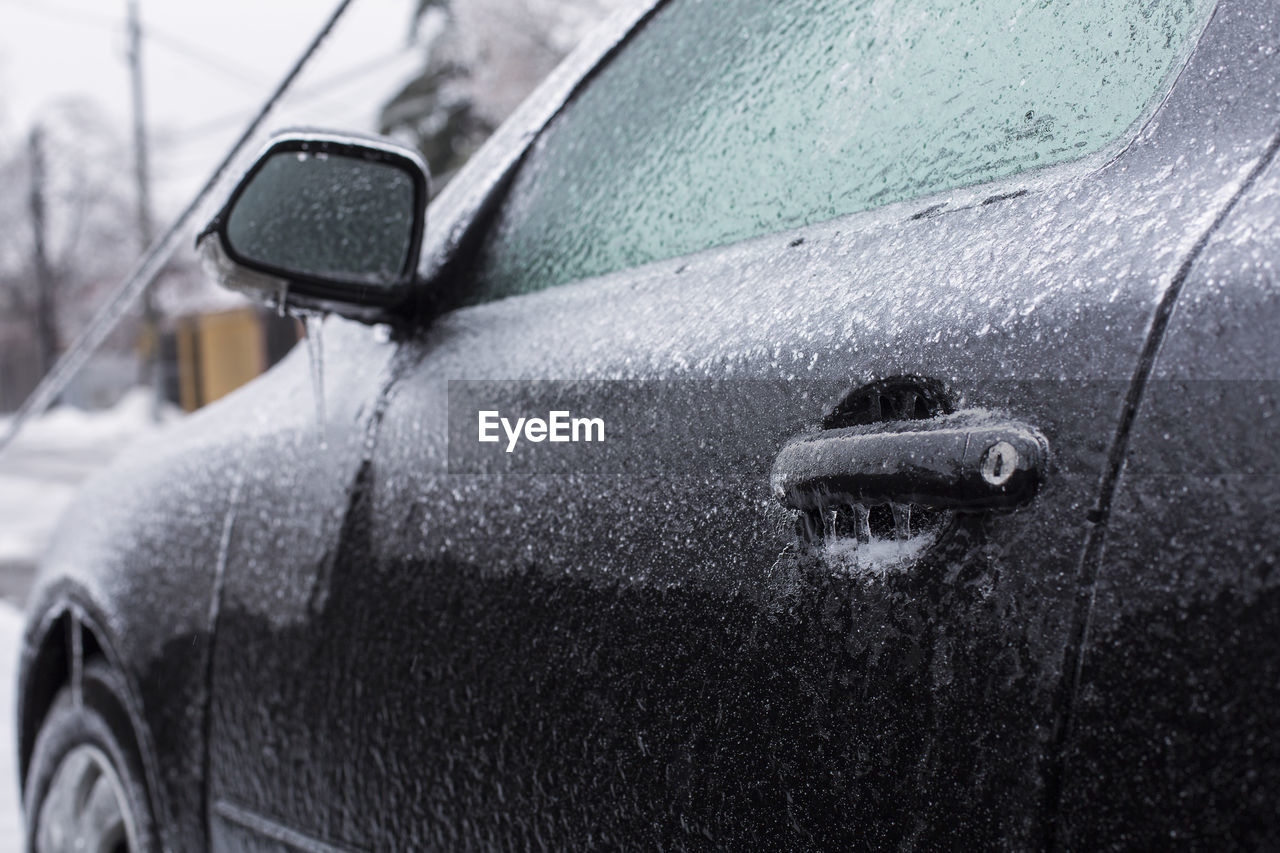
[[10, 809], [40, 471]]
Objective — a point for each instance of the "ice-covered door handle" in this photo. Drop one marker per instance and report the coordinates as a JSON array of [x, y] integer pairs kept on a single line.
[[965, 461]]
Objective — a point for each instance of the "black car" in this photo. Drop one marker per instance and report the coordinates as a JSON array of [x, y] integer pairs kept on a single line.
[[802, 425]]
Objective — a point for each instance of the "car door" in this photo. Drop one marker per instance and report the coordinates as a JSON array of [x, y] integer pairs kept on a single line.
[[1174, 727], [727, 240], [300, 448]]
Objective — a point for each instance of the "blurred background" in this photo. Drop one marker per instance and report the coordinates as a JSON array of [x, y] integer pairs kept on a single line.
[[113, 113]]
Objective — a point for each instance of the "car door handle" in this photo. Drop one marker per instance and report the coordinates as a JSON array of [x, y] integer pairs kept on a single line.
[[965, 461]]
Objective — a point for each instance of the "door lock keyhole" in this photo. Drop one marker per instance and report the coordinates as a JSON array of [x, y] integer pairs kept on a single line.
[[999, 463]]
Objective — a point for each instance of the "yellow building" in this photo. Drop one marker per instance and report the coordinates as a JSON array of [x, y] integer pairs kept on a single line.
[[216, 352]]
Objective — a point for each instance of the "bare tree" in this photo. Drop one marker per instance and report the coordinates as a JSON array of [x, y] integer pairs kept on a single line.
[[482, 57], [66, 231], [43, 281], [510, 45]]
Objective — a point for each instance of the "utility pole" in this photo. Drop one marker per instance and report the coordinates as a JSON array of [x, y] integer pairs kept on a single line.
[[150, 366], [46, 327]]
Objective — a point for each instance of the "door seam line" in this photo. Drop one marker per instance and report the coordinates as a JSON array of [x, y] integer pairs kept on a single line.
[[215, 612], [1099, 517]]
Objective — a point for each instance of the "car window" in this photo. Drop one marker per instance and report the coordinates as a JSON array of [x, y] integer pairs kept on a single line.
[[726, 119]]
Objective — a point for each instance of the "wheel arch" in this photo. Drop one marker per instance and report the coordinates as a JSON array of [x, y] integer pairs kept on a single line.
[[59, 644]]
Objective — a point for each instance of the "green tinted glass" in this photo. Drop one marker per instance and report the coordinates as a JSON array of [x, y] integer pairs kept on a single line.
[[727, 119]]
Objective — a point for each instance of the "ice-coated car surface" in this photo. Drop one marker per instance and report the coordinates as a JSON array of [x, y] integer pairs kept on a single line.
[[759, 241]]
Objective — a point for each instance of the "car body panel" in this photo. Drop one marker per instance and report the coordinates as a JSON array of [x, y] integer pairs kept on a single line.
[[564, 657], [1175, 738], [407, 656], [140, 551]]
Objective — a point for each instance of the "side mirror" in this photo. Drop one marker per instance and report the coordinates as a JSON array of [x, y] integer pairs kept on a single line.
[[323, 222]]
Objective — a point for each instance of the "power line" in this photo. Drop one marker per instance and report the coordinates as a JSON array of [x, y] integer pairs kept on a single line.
[[193, 53], [175, 45], [183, 48], [313, 92], [67, 14]]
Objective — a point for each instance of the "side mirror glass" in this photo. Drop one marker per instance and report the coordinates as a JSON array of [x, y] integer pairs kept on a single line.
[[323, 222]]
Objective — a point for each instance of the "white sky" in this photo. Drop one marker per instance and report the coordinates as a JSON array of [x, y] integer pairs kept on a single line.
[[208, 66]]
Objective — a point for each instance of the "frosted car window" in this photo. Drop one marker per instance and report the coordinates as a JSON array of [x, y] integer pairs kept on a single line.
[[326, 215], [727, 119]]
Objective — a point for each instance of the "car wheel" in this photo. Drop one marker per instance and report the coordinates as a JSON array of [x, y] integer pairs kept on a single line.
[[85, 790]]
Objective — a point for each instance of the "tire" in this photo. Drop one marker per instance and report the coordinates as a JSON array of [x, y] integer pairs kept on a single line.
[[85, 788]]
